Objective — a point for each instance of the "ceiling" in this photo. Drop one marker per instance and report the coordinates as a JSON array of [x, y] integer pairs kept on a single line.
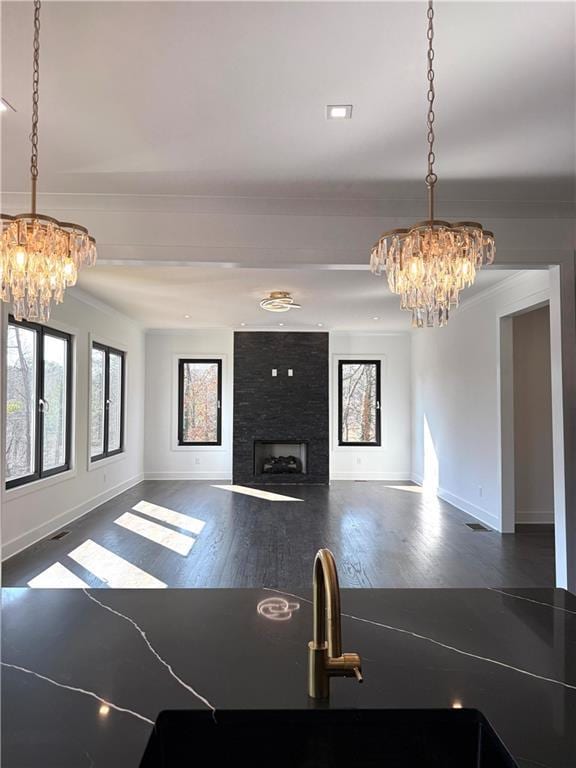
[[224, 298], [191, 139], [216, 98]]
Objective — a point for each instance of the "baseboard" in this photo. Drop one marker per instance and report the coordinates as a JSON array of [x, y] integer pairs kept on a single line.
[[545, 517], [187, 476], [11, 548], [479, 513], [389, 477], [463, 505]]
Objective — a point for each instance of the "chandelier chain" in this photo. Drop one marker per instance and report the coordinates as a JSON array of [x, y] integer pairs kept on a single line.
[[431, 177], [35, 92]]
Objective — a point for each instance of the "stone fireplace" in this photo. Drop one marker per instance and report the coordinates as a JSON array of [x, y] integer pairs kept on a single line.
[[280, 408]]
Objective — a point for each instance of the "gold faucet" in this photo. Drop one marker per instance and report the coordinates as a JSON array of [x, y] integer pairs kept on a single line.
[[325, 657]]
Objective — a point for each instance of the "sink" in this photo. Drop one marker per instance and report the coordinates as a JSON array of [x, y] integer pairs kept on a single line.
[[322, 738]]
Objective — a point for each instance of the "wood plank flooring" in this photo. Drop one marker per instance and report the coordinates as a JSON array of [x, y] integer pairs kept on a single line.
[[381, 535]]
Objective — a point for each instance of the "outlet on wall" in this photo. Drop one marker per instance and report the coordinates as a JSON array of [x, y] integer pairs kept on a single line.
[[196, 460], [358, 460], [480, 491]]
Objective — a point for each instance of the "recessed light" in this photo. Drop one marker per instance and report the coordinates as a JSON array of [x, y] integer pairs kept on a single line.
[[320, 325], [280, 323], [375, 318], [187, 317], [242, 324], [5, 105], [339, 111]]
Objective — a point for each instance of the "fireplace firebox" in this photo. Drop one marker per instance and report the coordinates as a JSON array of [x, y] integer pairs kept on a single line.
[[276, 457]]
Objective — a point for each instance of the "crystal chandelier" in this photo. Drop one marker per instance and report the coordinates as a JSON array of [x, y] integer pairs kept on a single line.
[[39, 256], [432, 261]]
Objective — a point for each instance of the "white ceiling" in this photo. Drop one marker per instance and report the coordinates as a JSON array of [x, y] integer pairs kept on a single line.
[[215, 98], [190, 137], [224, 298]]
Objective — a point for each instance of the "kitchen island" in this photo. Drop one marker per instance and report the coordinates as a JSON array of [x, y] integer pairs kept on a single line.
[[86, 672]]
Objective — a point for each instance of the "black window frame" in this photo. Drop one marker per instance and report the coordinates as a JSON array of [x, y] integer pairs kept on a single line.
[[181, 363], [108, 350], [378, 441], [39, 472]]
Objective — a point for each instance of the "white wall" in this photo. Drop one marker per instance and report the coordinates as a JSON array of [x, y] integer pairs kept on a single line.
[[164, 459], [33, 511], [455, 398], [534, 476], [391, 461]]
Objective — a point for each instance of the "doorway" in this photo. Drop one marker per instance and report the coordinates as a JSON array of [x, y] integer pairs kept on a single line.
[[527, 427]]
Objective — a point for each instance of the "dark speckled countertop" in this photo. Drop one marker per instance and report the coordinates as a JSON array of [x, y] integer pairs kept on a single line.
[[85, 673]]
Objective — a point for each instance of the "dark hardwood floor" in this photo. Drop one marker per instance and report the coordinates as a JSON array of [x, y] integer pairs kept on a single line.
[[381, 536]]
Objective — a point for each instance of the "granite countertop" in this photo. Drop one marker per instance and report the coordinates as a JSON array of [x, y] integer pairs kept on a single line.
[[85, 672]]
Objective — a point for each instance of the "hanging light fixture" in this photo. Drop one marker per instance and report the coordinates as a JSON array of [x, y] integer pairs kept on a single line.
[[432, 261], [39, 255]]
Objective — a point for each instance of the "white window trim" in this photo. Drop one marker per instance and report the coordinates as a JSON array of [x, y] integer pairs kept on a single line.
[[68, 474], [121, 347], [384, 442], [225, 405]]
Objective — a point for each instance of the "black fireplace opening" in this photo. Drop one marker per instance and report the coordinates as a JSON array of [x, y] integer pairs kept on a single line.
[[280, 457]]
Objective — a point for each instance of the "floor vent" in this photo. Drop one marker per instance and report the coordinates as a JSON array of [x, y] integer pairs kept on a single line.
[[477, 527], [59, 536]]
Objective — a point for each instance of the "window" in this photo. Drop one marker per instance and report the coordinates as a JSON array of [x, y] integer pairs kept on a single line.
[[106, 402], [199, 402], [38, 402], [359, 402]]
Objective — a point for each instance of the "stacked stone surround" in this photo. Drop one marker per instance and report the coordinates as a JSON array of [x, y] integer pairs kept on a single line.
[[282, 408]]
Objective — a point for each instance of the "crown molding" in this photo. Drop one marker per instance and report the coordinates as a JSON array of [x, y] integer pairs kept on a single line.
[[253, 205]]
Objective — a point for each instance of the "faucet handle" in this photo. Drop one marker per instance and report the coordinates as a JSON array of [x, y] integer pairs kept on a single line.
[[358, 673]]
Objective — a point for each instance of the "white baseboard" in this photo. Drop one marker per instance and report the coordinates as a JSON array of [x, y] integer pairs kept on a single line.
[[535, 518], [16, 545], [464, 505], [479, 513], [187, 476], [389, 477]]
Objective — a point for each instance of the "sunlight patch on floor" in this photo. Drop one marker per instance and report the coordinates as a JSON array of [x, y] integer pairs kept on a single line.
[[166, 515], [247, 491], [113, 569], [410, 488], [168, 538], [57, 576]]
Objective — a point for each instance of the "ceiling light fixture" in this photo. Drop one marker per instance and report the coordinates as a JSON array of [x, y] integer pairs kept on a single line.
[[186, 317], [339, 111], [279, 301], [432, 261], [39, 256]]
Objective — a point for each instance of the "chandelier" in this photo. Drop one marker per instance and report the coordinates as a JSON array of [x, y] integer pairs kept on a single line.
[[432, 261], [39, 255], [279, 301]]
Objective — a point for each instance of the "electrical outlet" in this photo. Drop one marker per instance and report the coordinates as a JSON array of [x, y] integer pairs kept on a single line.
[[274, 371], [358, 460], [480, 491]]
